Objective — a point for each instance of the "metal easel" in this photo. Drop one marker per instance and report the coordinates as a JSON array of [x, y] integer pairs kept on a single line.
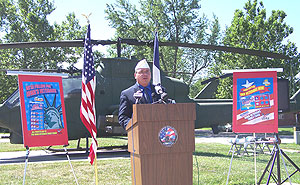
[[67, 154], [26, 163], [276, 153]]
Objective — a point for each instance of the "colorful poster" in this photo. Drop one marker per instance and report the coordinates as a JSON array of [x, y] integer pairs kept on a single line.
[[42, 110], [255, 107]]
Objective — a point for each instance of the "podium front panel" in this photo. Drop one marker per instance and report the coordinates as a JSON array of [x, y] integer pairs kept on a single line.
[[161, 141], [146, 137], [166, 169], [148, 121]]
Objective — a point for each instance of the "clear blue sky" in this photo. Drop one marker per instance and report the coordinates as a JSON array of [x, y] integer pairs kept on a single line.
[[223, 9]]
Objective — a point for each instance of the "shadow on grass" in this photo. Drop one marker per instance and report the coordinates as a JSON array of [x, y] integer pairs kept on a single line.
[[263, 159], [115, 137], [211, 154]]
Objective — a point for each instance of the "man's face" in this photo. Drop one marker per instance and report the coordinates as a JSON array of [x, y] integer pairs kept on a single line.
[[143, 76]]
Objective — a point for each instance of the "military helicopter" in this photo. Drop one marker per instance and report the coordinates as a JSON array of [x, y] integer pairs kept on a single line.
[[116, 74]]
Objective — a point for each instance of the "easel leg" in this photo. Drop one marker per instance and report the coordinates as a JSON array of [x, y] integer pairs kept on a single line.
[[254, 153], [284, 165], [292, 162], [271, 159], [231, 161], [271, 169], [278, 168], [70, 164], [26, 161]]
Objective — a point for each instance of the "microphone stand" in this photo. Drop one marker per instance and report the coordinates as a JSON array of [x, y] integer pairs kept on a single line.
[[137, 100], [138, 95]]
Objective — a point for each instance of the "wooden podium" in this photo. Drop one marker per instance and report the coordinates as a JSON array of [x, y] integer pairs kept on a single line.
[[161, 143]]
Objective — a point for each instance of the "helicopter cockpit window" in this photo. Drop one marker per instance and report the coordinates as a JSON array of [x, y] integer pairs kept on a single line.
[[13, 100], [71, 85]]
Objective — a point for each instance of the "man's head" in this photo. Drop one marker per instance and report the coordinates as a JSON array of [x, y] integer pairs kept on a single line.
[[142, 73]]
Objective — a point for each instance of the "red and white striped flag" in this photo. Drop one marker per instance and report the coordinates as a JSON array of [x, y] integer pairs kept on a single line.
[[87, 108]]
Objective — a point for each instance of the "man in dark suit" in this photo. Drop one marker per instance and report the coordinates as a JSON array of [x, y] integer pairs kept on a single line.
[[141, 92]]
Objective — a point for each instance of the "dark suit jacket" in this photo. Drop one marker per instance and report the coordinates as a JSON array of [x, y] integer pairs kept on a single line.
[[127, 100]]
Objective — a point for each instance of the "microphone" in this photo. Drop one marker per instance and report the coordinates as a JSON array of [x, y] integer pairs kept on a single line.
[[158, 89], [163, 95], [138, 95]]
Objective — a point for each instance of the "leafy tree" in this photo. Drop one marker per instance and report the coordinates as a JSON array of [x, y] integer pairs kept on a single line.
[[251, 29], [176, 21], [26, 21], [197, 62]]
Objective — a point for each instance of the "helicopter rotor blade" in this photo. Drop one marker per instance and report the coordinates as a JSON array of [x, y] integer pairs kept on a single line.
[[80, 43], [43, 44], [60, 70]]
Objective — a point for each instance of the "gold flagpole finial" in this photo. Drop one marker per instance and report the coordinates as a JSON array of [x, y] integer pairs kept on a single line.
[[87, 17]]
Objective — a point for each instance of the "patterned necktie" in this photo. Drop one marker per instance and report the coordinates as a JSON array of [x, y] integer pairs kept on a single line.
[[147, 95]]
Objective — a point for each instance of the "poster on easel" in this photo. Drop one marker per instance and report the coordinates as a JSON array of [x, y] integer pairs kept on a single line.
[[255, 102], [42, 110]]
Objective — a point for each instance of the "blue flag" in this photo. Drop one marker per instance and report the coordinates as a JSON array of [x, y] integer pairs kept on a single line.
[[156, 68]]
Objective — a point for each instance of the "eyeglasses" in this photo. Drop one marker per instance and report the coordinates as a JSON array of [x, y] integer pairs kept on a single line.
[[143, 71]]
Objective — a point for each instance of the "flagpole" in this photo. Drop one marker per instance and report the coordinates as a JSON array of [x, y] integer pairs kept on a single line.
[[96, 168], [95, 160], [87, 107]]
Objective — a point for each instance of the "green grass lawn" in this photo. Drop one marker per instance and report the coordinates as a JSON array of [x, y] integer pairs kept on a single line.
[[211, 165], [286, 131]]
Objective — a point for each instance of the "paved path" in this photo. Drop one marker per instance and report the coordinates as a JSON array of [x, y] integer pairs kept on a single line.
[[46, 156], [4, 138]]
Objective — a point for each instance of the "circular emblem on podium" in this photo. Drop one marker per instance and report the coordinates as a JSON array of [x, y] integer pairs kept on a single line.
[[167, 136]]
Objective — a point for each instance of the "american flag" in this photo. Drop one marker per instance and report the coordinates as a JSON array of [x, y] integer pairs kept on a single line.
[[156, 68], [170, 134], [167, 135], [87, 108]]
